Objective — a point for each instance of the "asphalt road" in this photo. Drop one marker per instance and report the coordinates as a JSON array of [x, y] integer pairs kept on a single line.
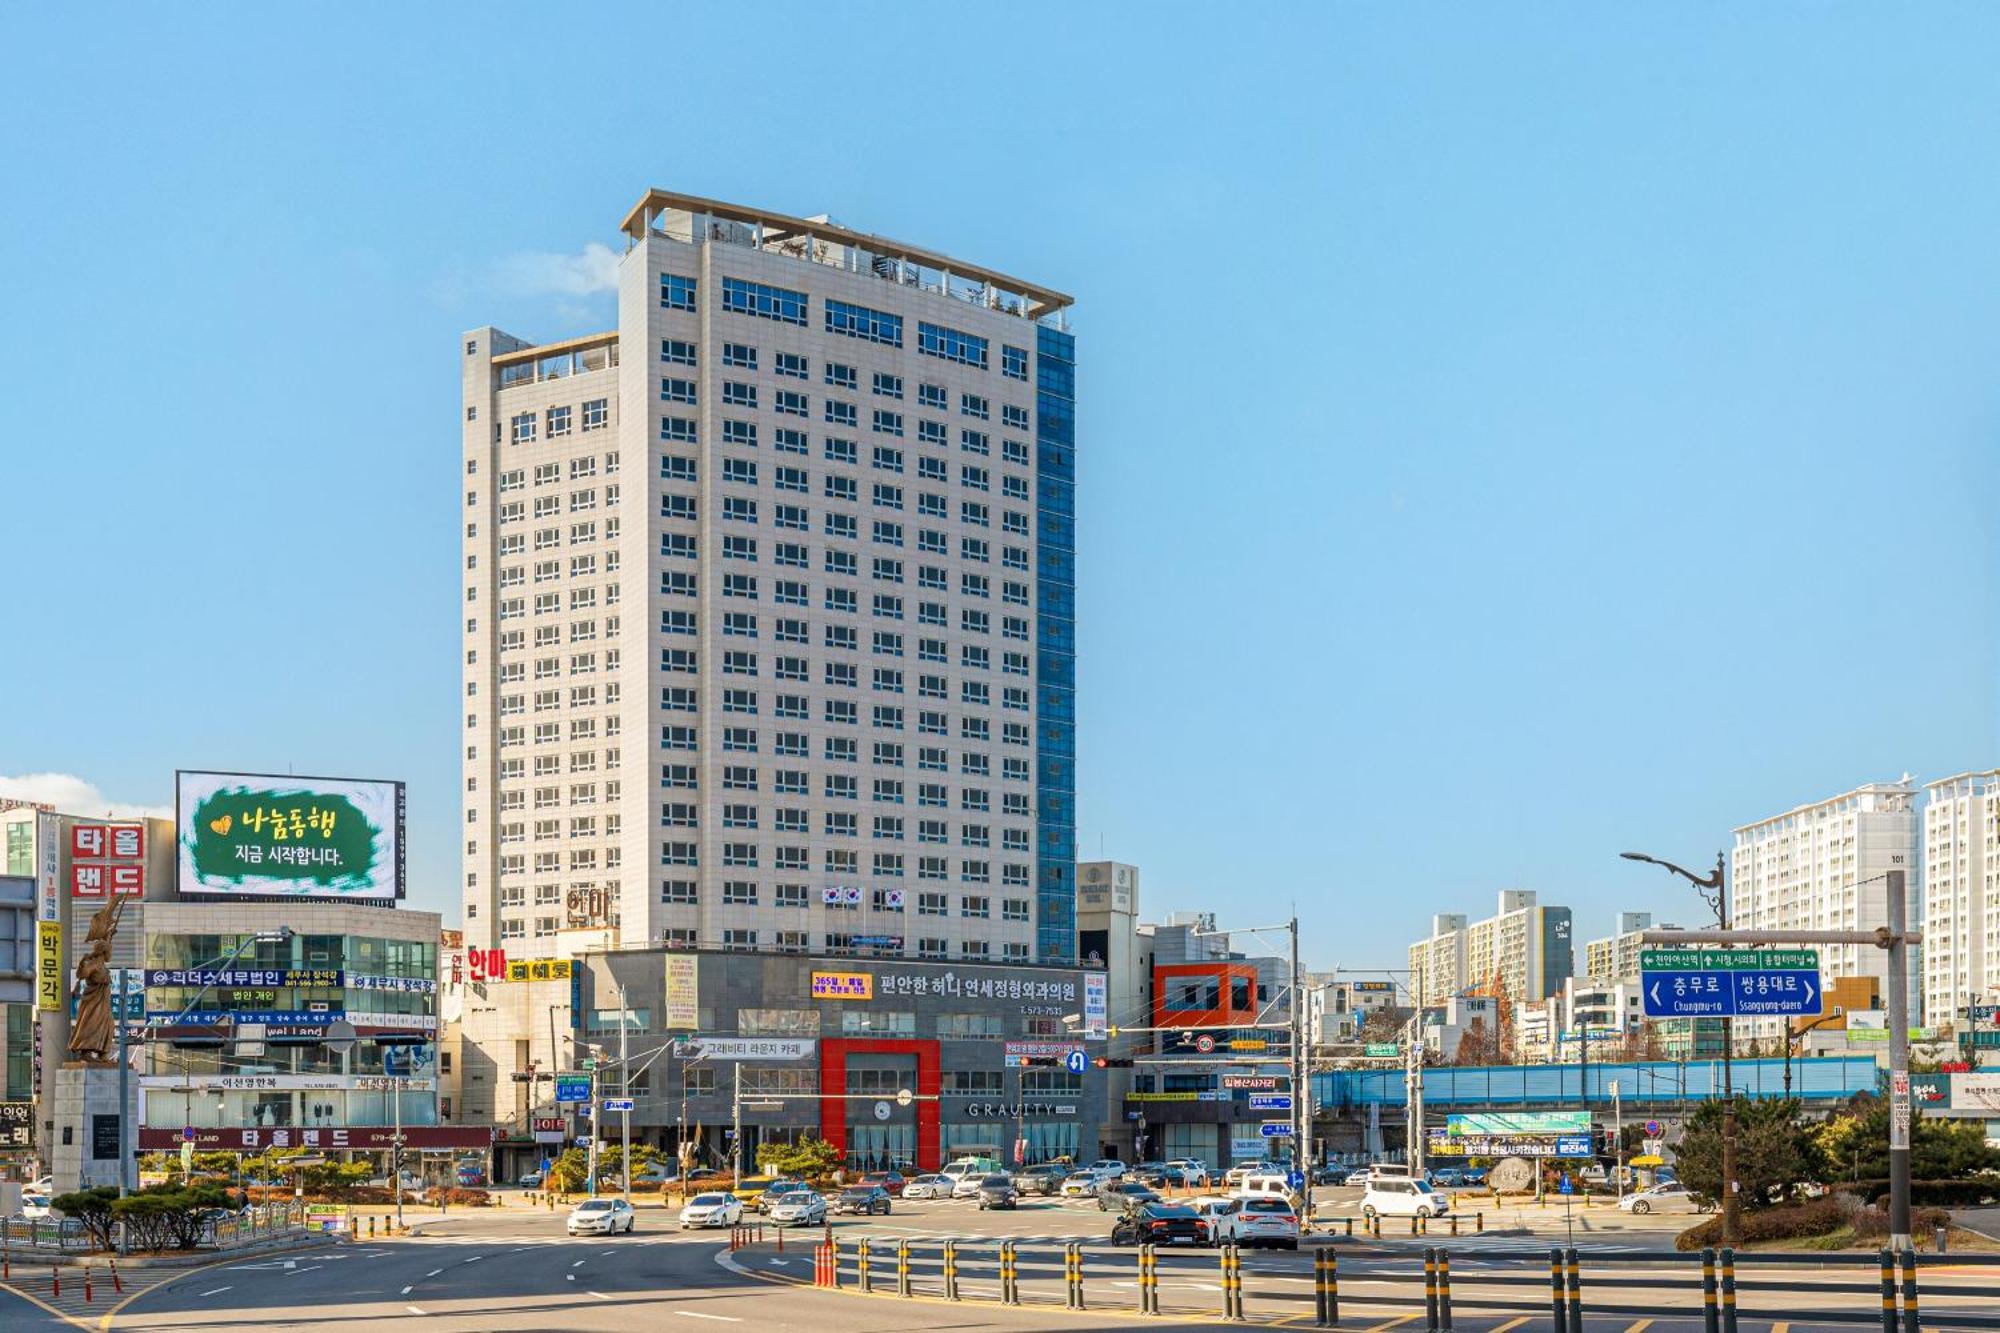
[[515, 1270]]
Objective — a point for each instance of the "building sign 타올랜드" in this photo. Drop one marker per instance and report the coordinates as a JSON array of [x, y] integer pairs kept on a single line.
[[843, 986], [107, 859], [683, 992], [259, 835], [48, 966]]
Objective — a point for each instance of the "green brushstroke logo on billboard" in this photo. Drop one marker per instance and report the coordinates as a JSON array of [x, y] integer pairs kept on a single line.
[[316, 838]]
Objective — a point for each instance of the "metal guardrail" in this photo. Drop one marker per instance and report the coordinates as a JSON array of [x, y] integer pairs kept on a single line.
[[1576, 1284], [67, 1235]]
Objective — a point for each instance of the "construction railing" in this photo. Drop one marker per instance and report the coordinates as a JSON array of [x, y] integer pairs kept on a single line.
[[1327, 1283]]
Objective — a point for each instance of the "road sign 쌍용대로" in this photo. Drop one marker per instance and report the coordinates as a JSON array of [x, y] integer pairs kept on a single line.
[[1719, 983]]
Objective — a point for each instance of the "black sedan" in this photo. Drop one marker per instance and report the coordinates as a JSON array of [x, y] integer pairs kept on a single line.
[[1160, 1224], [997, 1192], [1116, 1195], [862, 1199]]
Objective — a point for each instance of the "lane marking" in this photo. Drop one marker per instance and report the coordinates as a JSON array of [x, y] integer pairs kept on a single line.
[[1641, 1325], [1516, 1323], [216, 1292], [473, 1260], [415, 1309], [731, 1319], [433, 1273], [1391, 1323], [406, 1290], [577, 1264], [1781, 1328], [600, 1295], [604, 1252]]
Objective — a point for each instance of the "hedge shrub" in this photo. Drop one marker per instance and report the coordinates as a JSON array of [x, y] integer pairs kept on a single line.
[[1816, 1217]]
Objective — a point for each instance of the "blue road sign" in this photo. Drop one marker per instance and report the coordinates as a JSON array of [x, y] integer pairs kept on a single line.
[[569, 1089], [617, 1103], [1275, 1129], [1074, 1061], [1573, 1145], [1772, 993], [1296, 1180], [1271, 1101], [1565, 1187]]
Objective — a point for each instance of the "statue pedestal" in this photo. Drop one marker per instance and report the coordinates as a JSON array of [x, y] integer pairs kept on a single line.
[[85, 1148]]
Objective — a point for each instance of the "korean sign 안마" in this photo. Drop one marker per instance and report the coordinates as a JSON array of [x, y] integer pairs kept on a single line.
[[843, 986], [48, 966], [267, 836], [107, 859]]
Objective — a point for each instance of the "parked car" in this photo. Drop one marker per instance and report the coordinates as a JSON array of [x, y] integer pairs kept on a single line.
[[1403, 1196], [531, 1181], [929, 1187], [35, 1206], [1667, 1197], [1193, 1170], [1330, 1175], [1266, 1185], [751, 1188], [966, 1187], [1268, 1222], [1448, 1177], [1080, 1185], [892, 1182], [1117, 1195], [1110, 1168], [780, 1191], [601, 1217], [1237, 1174], [712, 1210], [1360, 1175], [1224, 1216], [961, 1172], [797, 1208], [869, 1199], [997, 1191], [1475, 1176], [1159, 1223]]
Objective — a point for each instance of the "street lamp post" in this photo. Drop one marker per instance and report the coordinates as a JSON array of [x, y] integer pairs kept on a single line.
[[1714, 888]]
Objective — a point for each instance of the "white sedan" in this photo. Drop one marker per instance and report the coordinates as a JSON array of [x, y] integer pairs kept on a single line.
[[798, 1208], [1666, 1198], [35, 1207], [712, 1210], [601, 1216], [1223, 1214]]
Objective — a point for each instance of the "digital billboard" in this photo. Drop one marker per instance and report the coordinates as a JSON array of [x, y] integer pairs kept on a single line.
[[255, 835]]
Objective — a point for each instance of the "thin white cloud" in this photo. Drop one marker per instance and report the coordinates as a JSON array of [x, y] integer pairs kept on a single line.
[[591, 272], [71, 795]]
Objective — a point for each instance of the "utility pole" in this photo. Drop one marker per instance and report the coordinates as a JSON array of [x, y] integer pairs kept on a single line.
[[1899, 1065], [1618, 1138], [625, 1094], [736, 1120], [595, 1135], [1413, 1078], [396, 1154], [1302, 1158]]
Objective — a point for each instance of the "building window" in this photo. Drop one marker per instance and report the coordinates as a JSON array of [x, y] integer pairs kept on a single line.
[[858, 321], [677, 292], [762, 300], [951, 345]]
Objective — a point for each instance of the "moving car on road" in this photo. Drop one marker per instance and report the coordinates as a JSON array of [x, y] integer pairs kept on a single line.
[[1268, 1222], [1159, 1223], [1330, 1175], [1193, 1170], [1117, 1195], [1671, 1197], [997, 1191], [1223, 1215], [798, 1208], [1109, 1168], [929, 1187], [604, 1217], [1080, 1185], [751, 1188], [712, 1210], [865, 1199], [966, 1187], [779, 1192], [1044, 1179]]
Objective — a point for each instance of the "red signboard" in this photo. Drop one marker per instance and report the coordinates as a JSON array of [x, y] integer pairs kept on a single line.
[[359, 1137], [486, 964], [107, 858]]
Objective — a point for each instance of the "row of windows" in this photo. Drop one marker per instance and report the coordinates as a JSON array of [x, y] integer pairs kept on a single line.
[[548, 474], [840, 486], [783, 304], [744, 893], [744, 509], [555, 422], [790, 402], [795, 782], [798, 592], [792, 744], [839, 786], [701, 1078]]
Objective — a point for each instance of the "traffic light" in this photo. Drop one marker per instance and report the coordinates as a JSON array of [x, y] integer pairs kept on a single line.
[[1111, 1062], [1036, 1061]]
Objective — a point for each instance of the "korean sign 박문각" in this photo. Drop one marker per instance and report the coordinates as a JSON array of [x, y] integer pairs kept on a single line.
[[251, 835]]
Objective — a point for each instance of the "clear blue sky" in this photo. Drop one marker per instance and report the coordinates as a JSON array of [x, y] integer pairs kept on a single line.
[[1507, 434]]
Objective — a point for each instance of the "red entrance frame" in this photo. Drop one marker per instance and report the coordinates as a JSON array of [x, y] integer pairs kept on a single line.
[[833, 1053]]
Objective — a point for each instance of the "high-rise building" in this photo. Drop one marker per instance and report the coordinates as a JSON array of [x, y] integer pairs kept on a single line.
[[1617, 955], [813, 688], [1823, 867], [1961, 893], [1522, 951]]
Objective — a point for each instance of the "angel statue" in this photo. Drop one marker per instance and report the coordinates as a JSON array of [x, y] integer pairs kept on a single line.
[[91, 1037]]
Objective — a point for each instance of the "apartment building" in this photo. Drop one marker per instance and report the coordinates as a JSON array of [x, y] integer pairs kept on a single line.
[[1523, 947], [1961, 894], [769, 604], [1822, 867], [1617, 955]]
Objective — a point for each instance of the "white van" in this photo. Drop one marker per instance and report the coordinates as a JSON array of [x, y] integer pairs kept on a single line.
[[1265, 1185], [969, 1167], [1403, 1196]]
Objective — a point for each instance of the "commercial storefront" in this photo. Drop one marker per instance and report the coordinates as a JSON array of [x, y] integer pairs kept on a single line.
[[995, 1060]]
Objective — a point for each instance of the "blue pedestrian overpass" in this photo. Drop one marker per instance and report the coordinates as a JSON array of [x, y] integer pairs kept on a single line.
[[1641, 1084]]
